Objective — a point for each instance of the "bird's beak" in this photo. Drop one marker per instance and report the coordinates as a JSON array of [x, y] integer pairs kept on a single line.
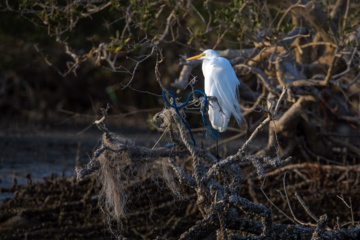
[[196, 57]]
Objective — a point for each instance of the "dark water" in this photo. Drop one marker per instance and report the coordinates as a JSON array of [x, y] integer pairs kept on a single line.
[[38, 153], [41, 154]]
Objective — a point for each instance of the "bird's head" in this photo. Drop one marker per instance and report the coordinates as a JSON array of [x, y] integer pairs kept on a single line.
[[205, 55]]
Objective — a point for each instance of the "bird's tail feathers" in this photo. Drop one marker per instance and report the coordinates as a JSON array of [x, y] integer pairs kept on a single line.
[[237, 113]]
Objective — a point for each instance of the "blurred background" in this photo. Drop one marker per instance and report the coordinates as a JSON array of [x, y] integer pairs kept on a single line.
[[61, 61], [54, 76]]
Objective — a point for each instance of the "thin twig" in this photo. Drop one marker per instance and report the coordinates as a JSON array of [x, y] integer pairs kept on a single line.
[[273, 204], [349, 206], [291, 210], [305, 207]]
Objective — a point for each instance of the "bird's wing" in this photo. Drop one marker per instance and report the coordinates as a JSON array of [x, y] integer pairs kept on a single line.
[[219, 120], [221, 75]]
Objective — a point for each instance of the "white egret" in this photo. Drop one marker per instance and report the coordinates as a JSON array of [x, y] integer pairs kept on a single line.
[[220, 82]]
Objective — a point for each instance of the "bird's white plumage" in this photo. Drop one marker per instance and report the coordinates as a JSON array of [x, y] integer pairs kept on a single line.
[[220, 82]]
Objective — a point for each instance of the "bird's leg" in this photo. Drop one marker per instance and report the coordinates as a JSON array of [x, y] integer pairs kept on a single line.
[[217, 149]]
